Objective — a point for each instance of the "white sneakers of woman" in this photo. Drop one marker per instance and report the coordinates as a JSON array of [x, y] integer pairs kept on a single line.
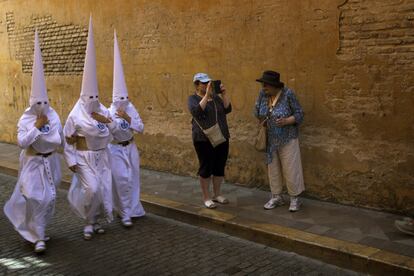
[[274, 202], [40, 247], [294, 204], [277, 200]]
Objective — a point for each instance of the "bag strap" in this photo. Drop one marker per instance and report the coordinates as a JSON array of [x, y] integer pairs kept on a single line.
[[215, 107], [276, 98], [273, 105]]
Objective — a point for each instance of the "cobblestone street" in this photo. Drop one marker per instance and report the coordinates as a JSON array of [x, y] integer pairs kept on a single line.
[[154, 246]]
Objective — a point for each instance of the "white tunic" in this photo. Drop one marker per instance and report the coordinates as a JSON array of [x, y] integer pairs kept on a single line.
[[32, 203], [90, 194], [125, 165]]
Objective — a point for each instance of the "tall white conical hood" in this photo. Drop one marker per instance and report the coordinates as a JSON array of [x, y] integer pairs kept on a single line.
[[38, 92], [119, 85], [89, 80]]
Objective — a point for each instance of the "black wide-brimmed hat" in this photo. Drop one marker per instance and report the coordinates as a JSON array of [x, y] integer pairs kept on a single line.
[[272, 78]]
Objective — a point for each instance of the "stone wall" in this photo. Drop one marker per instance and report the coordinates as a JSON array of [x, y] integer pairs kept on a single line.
[[350, 63]]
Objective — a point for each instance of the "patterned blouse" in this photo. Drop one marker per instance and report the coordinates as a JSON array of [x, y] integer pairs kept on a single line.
[[286, 106]]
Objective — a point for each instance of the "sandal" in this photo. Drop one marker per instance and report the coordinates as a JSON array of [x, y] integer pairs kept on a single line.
[[97, 228], [40, 247], [127, 222], [210, 204], [87, 232], [221, 199]]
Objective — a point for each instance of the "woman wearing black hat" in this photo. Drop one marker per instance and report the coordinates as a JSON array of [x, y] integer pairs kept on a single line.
[[278, 105]]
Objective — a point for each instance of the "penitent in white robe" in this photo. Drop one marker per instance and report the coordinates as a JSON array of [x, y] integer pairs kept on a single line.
[[125, 164], [90, 194], [32, 203]]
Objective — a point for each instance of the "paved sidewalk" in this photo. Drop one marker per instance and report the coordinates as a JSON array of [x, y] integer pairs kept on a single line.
[[153, 246], [371, 230]]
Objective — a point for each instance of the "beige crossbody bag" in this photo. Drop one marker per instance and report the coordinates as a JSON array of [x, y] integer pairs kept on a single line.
[[260, 142], [214, 134]]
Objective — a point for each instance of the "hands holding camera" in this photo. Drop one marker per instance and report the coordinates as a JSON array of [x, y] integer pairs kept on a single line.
[[207, 90], [215, 87]]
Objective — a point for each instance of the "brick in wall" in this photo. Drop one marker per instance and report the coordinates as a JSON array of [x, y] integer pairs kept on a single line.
[[63, 45]]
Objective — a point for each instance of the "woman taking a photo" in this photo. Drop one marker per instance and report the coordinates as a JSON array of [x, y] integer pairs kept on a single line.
[[209, 110]]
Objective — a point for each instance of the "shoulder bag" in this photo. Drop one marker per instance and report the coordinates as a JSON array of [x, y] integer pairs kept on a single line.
[[214, 134]]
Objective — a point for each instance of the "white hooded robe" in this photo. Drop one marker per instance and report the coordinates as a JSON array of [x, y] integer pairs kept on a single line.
[[32, 203], [90, 193], [125, 164]]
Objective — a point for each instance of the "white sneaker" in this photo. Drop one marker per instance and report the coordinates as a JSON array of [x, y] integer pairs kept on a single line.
[[40, 247], [294, 204], [275, 201]]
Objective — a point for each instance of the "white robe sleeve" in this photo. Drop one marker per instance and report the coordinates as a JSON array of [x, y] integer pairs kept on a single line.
[[27, 137], [69, 151], [136, 123], [112, 126]]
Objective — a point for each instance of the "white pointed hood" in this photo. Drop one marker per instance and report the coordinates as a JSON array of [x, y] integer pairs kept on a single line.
[[38, 91], [119, 90], [89, 91]]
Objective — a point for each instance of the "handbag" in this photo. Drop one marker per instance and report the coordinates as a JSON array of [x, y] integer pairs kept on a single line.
[[214, 134], [260, 143]]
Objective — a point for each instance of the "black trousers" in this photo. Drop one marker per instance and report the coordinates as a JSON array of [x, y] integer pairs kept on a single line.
[[212, 160]]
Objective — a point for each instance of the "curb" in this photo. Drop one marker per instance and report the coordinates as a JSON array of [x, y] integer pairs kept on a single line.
[[345, 254]]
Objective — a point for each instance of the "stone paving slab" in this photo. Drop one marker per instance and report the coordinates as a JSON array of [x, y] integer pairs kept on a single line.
[[357, 225], [153, 246], [371, 230]]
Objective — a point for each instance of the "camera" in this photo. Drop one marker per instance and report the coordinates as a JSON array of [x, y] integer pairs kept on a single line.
[[216, 86]]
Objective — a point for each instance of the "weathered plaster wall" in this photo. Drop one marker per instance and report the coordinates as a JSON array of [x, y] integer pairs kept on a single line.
[[350, 63]]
